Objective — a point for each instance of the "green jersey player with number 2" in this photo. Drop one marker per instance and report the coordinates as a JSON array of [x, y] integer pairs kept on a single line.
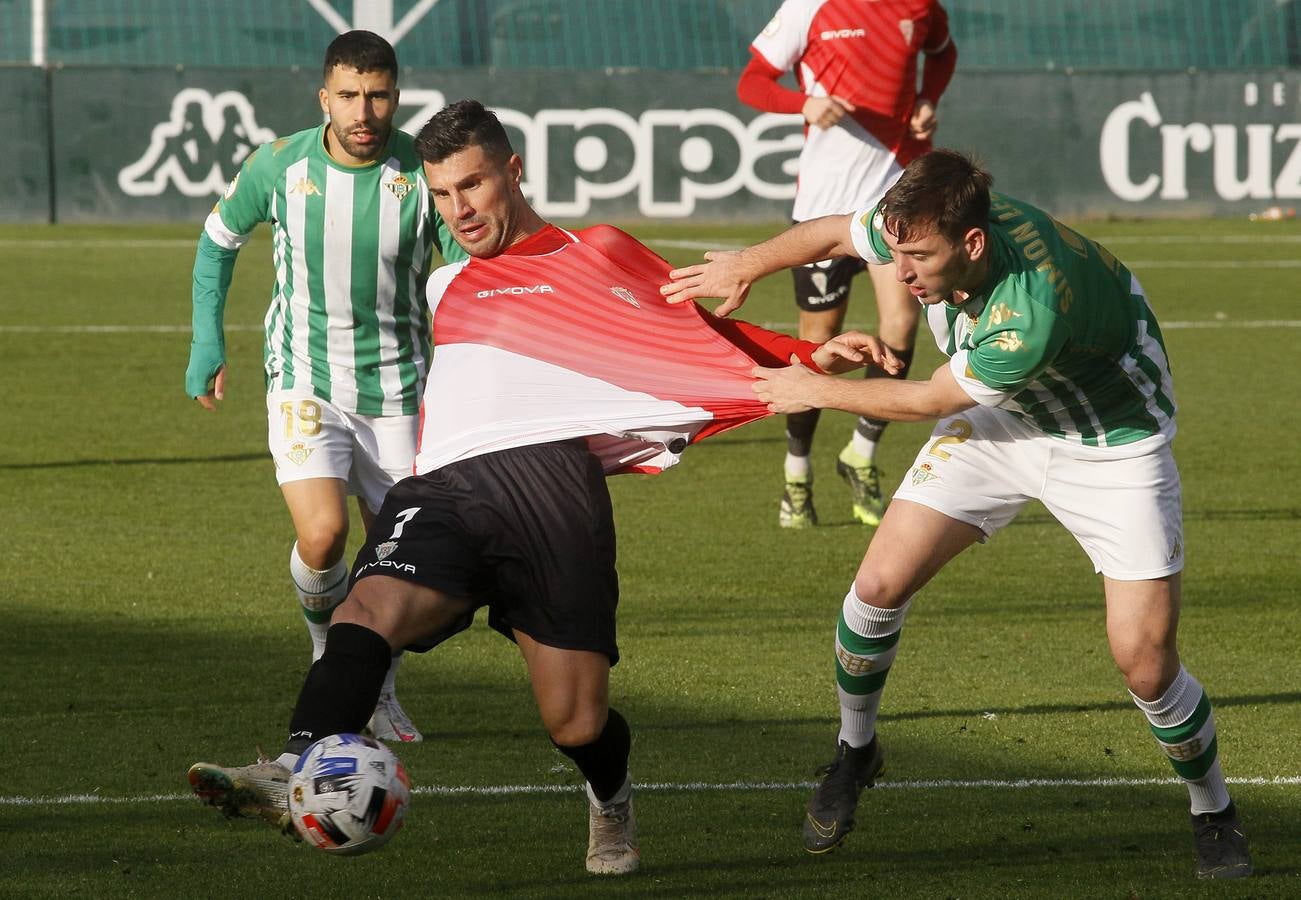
[[1057, 389]]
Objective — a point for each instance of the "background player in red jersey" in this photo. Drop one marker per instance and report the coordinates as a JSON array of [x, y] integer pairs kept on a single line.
[[558, 362], [856, 64]]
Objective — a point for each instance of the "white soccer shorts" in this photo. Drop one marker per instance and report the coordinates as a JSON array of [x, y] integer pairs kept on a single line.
[[982, 466], [311, 438]]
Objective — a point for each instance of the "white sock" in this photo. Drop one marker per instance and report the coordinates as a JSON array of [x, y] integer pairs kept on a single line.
[[392, 674], [319, 592], [288, 760], [797, 467], [621, 796], [864, 447]]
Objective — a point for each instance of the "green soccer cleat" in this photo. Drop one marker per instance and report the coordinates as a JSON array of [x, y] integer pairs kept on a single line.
[[830, 813], [864, 479], [1221, 845], [260, 790], [797, 504]]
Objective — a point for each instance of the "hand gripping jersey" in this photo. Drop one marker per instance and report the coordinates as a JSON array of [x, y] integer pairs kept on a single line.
[[865, 52], [1060, 334], [352, 244], [566, 335]]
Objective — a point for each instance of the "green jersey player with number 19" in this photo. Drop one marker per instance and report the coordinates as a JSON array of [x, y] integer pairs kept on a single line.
[[1057, 389], [347, 345]]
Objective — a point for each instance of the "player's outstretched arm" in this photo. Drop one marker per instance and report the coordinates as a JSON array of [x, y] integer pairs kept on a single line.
[[729, 274], [205, 375], [797, 388]]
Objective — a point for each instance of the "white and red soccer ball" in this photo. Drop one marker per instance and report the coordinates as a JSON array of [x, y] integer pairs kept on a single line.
[[348, 794]]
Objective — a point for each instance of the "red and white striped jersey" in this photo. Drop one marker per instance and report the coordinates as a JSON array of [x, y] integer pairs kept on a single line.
[[566, 335], [864, 51]]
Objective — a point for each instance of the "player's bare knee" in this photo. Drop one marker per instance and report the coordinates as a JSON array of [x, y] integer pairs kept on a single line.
[[876, 589], [576, 729], [321, 544], [1148, 671]]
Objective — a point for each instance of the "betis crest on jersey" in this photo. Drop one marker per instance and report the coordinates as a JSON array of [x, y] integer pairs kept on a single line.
[[400, 186]]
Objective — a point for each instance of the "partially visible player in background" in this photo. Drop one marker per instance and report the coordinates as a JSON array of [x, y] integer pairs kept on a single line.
[[856, 63], [347, 344]]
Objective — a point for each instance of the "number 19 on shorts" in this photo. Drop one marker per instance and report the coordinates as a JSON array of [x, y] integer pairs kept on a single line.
[[302, 415]]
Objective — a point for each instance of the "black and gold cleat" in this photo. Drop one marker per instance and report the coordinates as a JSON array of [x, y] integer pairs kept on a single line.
[[830, 813]]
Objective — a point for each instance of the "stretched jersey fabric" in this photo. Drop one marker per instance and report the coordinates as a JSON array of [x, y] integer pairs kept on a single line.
[[351, 253], [867, 54], [1060, 334], [566, 335]]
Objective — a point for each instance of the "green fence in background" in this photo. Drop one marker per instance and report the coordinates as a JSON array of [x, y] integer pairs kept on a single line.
[[637, 34]]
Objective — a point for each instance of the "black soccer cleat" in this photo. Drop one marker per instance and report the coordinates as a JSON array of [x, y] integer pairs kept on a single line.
[[830, 813], [1221, 845]]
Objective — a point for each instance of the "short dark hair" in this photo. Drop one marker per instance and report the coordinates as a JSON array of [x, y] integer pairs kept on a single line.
[[364, 51], [942, 191], [465, 123]]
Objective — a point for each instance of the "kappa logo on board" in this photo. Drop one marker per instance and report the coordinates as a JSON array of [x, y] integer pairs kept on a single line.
[[200, 147]]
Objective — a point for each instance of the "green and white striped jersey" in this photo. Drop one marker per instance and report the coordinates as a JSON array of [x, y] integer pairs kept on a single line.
[[1060, 334], [351, 252]]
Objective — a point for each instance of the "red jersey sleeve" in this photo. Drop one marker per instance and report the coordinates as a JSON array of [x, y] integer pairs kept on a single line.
[[624, 250], [767, 348], [758, 87], [941, 57]]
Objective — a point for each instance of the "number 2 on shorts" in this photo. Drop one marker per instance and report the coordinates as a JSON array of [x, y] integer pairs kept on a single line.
[[958, 431]]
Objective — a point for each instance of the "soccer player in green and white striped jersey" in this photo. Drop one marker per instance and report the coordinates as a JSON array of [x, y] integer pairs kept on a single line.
[[1057, 389], [347, 338]]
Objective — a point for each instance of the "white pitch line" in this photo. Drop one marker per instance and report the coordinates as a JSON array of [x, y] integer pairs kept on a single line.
[[1197, 238], [517, 790], [1252, 239], [1213, 264], [772, 326], [1165, 326], [99, 243], [112, 329], [698, 244]]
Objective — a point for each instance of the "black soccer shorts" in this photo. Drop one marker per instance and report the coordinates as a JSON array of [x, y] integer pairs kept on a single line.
[[825, 285], [527, 532]]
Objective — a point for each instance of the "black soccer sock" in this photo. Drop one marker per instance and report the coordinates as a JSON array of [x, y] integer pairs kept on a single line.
[[799, 432], [873, 428], [604, 762], [341, 687]]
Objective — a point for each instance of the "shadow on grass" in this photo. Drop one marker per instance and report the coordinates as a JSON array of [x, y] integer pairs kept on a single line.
[[143, 461]]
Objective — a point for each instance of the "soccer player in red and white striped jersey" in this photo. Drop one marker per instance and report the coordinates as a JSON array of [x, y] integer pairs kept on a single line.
[[557, 362], [856, 65]]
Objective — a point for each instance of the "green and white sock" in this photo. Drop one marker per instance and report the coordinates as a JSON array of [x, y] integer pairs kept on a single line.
[[1184, 726], [866, 640], [319, 592]]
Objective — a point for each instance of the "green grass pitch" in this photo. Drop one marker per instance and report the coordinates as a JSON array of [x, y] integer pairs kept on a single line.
[[148, 623]]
